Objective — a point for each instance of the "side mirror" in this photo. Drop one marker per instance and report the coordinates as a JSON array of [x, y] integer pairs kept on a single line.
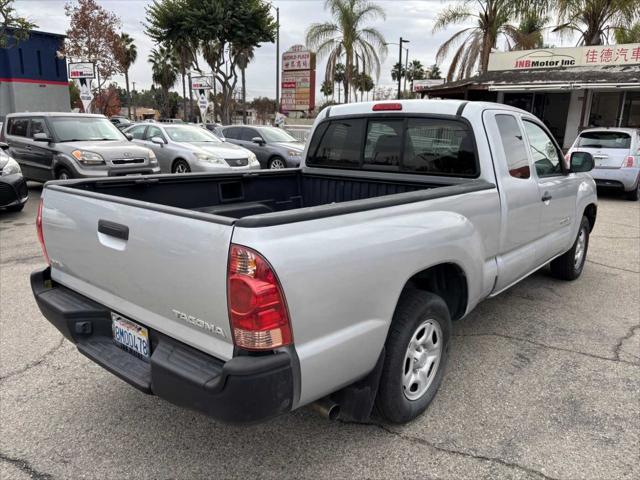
[[4, 146], [258, 140], [158, 140], [42, 137], [581, 162], [129, 136]]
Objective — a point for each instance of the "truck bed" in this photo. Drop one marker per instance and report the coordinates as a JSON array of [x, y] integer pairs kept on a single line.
[[233, 197]]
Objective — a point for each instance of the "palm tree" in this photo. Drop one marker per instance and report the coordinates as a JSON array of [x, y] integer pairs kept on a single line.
[[326, 89], [185, 55], [164, 72], [339, 77], [528, 34], [398, 72], [592, 20], [628, 35], [475, 43], [127, 55], [243, 57], [434, 72], [415, 71], [348, 36]]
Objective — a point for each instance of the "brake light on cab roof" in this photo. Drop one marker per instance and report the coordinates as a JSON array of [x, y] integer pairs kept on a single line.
[[387, 107]]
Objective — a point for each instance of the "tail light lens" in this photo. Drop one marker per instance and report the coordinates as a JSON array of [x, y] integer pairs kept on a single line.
[[629, 161], [40, 234], [257, 307]]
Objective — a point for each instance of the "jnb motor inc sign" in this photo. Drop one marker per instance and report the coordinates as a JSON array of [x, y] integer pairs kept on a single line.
[[600, 55], [298, 80]]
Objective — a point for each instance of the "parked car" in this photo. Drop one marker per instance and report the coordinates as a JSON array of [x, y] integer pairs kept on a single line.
[[121, 122], [616, 153], [214, 128], [274, 147], [13, 187], [247, 296], [73, 145], [189, 148]]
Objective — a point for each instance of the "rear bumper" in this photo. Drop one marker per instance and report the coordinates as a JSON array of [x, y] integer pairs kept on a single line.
[[244, 389], [13, 190], [620, 178]]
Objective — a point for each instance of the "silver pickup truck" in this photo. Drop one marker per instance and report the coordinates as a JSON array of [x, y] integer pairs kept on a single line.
[[247, 295]]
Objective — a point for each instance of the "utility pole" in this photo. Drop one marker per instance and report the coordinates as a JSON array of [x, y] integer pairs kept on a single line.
[[191, 99], [135, 117], [406, 67], [400, 66], [277, 59]]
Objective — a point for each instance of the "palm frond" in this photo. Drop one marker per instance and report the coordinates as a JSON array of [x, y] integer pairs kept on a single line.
[[452, 16]]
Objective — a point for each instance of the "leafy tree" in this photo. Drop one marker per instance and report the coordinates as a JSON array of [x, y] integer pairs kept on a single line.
[[593, 20], [108, 101], [164, 73], [434, 72], [628, 35], [348, 35], [92, 37], [339, 77], [223, 27], [243, 57], [398, 72], [265, 108], [74, 95], [20, 26], [127, 53]]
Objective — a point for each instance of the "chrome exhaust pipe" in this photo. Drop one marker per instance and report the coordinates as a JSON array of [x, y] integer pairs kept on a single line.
[[327, 408]]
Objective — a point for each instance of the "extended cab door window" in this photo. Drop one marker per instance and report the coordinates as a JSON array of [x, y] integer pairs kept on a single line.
[[546, 157], [514, 148]]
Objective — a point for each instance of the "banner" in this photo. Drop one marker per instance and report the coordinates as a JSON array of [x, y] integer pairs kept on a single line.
[[203, 103], [86, 96]]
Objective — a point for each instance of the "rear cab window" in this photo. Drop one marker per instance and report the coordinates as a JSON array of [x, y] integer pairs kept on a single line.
[[604, 140], [415, 145]]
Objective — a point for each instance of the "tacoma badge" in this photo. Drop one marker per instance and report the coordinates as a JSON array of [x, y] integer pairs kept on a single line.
[[198, 322]]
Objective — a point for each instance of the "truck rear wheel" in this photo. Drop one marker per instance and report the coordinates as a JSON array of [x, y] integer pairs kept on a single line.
[[569, 265], [416, 355]]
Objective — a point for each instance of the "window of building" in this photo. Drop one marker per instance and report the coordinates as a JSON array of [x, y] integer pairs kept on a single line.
[[18, 127], [546, 157], [605, 109], [631, 110], [514, 148]]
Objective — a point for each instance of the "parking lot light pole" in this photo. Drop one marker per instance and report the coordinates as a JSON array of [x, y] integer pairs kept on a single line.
[[277, 9], [400, 65]]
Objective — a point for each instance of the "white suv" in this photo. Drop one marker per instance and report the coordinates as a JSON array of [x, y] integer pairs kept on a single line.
[[616, 152]]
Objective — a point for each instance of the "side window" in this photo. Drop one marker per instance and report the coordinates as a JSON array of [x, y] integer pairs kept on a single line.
[[514, 148], [439, 147], [340, 145], [232, 133], [38, 125], [153, 132], [546, 157], [18, 127], [248, 134], [383, 146], [138, 132]]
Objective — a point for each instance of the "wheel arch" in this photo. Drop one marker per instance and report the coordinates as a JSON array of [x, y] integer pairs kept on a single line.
[[176, 160], [591, 212]]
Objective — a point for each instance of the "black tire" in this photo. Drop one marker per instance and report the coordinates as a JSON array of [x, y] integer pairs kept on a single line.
[[566, 266], [15, 208], [63, 173], [633, 195], [180, 164], [414, 308], [275, 162]]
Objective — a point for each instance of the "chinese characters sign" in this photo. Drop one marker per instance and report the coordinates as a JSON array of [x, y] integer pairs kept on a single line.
[[550, 58], [298, 80]]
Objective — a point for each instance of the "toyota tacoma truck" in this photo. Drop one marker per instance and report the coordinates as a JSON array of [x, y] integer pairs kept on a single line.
[[247, 295]]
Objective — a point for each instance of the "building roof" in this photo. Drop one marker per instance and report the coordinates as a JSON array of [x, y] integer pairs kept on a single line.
[[38, 32], [574, 77]]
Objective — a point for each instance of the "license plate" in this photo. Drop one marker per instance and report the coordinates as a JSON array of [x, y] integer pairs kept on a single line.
[[130, 336]]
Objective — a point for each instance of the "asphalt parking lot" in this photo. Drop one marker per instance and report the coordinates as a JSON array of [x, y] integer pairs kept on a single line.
[[542, 382]]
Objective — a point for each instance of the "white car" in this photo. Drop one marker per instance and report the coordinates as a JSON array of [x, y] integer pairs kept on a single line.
[[184, 148], [616, 152]]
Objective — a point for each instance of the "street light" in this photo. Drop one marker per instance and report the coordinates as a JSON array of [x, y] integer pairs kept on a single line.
[[277, 9], [402, 40]]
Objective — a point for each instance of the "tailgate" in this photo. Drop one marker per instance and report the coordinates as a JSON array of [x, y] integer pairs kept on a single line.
[[163, 270]]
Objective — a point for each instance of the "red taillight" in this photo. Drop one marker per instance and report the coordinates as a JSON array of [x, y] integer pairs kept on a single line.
[[629, 161], [257, 308], [40, 234], [385, 107]]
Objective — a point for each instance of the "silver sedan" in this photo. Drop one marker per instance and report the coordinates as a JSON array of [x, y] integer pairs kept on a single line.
[[188, 148]]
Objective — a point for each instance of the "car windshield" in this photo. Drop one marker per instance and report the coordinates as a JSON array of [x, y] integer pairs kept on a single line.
[[272, 134], [604, 140], [190, 134], [78, 129]]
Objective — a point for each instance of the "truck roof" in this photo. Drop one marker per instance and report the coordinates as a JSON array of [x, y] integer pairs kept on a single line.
[[54, 114]]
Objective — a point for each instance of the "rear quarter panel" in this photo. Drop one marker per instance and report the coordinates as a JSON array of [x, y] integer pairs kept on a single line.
[[342, 276]]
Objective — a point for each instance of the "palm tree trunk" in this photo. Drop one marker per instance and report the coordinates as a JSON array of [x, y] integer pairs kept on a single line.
[[244, 98], [339, 96], [126, 80], [348, 76], [184, 97]]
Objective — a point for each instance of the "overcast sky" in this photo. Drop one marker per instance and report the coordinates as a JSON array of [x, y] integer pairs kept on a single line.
[[412, 20]]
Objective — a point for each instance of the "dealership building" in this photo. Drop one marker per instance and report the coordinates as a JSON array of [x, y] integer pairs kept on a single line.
[[569, 89], [32, 75]]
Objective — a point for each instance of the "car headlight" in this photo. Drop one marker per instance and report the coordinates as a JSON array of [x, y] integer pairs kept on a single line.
[[205, 157], [293, 153], [11, 167], [87, 158], [253, 160]]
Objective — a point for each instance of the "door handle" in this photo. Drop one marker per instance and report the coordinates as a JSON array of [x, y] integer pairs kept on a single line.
[[546, 197], [113, 229]]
